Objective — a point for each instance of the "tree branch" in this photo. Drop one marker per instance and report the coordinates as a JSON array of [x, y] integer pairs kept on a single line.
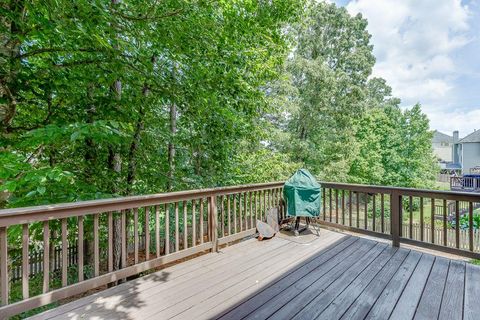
[[49, 50]]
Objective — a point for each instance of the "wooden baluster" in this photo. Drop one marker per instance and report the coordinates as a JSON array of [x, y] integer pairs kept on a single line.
[[201, 221], [234, 214], [110, 241], [135, 234], [432, 220], [64, 253], [185, 225], [382, 212], [240, 211], [421, 220], [213, 227], [123, 226], [374, 213], [358, 209], [157, 231], [410, 210], [46, 256], [457, 224], [350, 208], [80, 248], [445, 222], [470, 226], [229, 217], [4, 282], [194, 223], [366, 212], [245, 211], [343, 207], [96, 258], [324, 200], [146, 230], [25, 261], [177, 245], [223, 215], [336, 205], [167, 228], [250, 196], [255, 206], [265, 207], [330, 204]]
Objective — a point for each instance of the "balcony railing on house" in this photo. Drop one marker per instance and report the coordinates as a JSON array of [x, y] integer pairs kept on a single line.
[[468, 184], [183, 224]]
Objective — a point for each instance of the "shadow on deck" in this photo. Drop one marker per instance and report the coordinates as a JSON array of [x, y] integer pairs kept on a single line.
[[334, 276]]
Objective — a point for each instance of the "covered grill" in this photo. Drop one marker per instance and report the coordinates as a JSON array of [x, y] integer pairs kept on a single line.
[[302, 193]]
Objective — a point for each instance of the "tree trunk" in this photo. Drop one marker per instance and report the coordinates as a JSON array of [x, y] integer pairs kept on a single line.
[[132, 161], [171, 146], [10, 52]]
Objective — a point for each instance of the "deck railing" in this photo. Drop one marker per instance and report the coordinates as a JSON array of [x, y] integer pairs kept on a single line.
[[182, 224], [404, 215], [471, 184]]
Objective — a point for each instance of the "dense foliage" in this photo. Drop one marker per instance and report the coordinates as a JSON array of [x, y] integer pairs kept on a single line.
[[111, 98]]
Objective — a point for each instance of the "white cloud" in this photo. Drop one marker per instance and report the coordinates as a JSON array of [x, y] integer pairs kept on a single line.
[[415, 44], [449, 121]]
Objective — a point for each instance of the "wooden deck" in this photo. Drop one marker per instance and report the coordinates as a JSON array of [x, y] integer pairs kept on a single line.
[[335, 276]]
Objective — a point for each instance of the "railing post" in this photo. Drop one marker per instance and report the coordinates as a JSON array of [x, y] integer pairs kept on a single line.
[[4, 281], [395, 204], [213, 227]]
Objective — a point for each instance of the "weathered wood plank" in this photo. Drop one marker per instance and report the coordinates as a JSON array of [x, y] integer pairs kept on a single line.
[[166, 303], [263, 269], [349, 282], [390, 295], [407, 304], [254, 286], [354, 267], [430, 302], [216, 303], [269, 293], [361, 306], [178, 273], [471, 308], [343, 301], [322, 277], [452, 301]]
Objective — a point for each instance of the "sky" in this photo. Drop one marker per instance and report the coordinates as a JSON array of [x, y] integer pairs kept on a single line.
[[429, 52]]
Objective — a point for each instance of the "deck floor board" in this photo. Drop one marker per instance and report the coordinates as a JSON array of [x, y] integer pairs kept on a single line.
[[334, 276]]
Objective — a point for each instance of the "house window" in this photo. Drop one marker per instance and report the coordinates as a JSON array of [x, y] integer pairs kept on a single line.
[[445, 144]]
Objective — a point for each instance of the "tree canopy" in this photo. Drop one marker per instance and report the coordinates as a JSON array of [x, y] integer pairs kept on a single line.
[[112, 98]]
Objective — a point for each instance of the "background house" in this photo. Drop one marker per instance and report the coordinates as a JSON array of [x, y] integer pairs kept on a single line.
[[454, 153], [466, 151], [442, 146]]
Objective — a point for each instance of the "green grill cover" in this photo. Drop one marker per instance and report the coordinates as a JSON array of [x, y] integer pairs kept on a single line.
[[302, 193]]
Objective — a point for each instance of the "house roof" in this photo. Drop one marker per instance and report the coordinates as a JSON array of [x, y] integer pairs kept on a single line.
[[472, 137], [439, 137]]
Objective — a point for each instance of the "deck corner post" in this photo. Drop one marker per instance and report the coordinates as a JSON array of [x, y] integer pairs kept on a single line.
[[395, 204], [213, 227]]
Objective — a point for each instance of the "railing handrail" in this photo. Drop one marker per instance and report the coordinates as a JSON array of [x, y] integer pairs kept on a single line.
[[55, 211], [439, 194], [71, 209]]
